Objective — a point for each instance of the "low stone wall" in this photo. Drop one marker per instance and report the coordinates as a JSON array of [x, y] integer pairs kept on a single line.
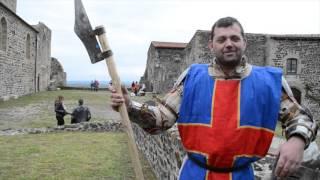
[[110, 126], [165, 154], [164, 151], [7, 98]]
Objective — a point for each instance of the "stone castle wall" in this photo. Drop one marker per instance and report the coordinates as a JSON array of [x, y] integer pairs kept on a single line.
[[16, 68], [256, 51], [197, 50], [165, 67], [43, 61], [307, 79], [25, 54], [164, 152], [11, 4]]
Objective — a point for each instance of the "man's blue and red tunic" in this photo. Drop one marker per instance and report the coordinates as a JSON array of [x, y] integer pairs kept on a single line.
[[228, 123]]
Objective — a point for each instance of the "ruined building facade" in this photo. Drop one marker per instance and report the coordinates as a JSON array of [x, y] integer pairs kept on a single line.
[[57, 76], [25, 54], [297, 55]]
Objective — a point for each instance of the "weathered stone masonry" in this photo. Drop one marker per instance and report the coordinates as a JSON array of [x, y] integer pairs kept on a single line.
[[306, 50], [16, 69], [11, 4], [25, 54], [57, 76], [163, 61]]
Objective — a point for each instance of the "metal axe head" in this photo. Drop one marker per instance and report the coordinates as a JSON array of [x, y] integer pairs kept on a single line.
[[83, 29]]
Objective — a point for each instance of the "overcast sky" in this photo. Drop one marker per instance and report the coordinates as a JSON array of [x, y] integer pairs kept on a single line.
[[131, 25]]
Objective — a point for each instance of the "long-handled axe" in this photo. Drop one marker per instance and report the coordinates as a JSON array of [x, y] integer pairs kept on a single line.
[[96, 53]]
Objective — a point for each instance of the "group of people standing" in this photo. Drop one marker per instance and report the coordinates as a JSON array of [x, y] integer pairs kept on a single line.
[[94, 85], [79, 114], [137, 89]]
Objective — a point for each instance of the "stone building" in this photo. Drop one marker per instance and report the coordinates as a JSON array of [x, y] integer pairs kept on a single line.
[[297, 55], [164, 59], [25, 52]]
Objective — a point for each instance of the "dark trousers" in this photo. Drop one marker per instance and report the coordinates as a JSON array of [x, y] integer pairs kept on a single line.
[[60, 120]]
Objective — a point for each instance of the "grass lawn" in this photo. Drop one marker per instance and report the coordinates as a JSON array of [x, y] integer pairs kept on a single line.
[[37, 110], [66, 155]]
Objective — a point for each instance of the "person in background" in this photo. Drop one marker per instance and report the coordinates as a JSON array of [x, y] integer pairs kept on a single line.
[[96, 85], [60, 110], [133, 86], [226, 112], [80, 113], [92, 85], [136, 89]]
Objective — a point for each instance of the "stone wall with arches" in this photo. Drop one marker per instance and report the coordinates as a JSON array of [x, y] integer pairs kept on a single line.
[[25, 55]]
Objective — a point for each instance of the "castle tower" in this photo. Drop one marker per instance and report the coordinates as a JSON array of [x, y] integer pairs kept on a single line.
[[11, 4]]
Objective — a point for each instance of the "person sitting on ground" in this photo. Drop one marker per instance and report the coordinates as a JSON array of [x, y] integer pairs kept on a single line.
[[80, 113]]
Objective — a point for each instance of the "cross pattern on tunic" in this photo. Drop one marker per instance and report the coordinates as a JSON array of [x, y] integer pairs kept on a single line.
[[223, 140]]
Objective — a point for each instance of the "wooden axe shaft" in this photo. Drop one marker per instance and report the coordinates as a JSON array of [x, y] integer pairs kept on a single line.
[[123, 110]]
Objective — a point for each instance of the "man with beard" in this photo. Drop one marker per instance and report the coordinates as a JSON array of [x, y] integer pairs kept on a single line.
[[227, 111]]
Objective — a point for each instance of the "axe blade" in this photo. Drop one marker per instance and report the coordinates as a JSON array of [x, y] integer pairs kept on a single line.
[[83, 29]]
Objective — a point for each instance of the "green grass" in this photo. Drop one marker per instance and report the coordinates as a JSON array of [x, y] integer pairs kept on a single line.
[[37, 110], [66, 155]]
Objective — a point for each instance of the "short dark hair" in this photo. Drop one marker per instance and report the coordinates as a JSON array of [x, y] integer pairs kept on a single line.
[[80, 101], [59, 98], [225, 22]]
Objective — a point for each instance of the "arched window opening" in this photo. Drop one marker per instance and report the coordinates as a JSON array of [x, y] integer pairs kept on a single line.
[[38, 83], [28, 47], [297, 94], [3, 35]]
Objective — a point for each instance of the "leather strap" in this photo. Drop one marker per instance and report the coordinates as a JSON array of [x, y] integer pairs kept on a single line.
[[216, 169]]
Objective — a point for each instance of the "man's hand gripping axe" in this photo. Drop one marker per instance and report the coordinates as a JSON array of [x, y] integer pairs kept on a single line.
[[84, 31]]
